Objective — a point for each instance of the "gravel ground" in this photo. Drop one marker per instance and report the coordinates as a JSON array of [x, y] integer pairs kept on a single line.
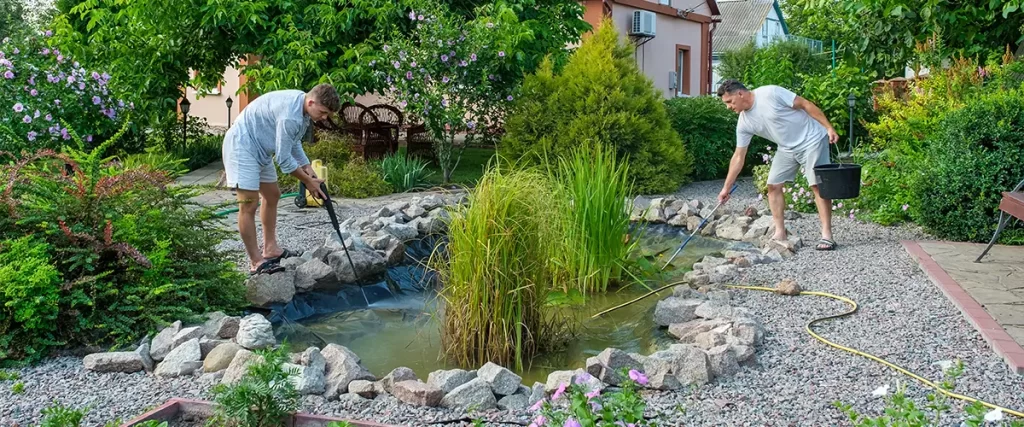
[[903, 318]]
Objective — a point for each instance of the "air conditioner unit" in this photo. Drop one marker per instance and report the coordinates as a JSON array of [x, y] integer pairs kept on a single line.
[[643, 23]]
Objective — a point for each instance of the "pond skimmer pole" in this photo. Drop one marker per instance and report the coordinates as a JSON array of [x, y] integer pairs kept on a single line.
[[699, 227]]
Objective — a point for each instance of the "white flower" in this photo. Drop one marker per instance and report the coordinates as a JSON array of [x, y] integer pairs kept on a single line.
[[881, 391], [994, 415]]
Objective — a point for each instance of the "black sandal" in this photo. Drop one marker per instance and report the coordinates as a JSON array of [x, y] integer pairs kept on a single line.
[[286, 253], [267, 267], [825, 245]]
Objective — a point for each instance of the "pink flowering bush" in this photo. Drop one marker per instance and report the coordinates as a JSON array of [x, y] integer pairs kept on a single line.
[[798, 194], [581, 405], [40, 87], [449, 73]]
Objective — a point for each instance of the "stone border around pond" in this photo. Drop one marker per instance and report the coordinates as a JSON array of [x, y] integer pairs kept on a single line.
[[715, 337]]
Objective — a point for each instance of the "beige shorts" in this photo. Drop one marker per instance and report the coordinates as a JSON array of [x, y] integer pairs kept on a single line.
[[785, 163]]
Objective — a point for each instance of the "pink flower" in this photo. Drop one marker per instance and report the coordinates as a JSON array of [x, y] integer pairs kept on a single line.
[[472, 57], [27, 119], [48, 33], [571, 422], [444, 58], [593, 394], [558, 393], [420, 17], [96, 100], [501, 53], [905, 207], [444, 79], [463, 63], [16, 51], [413, 64], [840, 205], [32, 136], [60, 58], [19, 108], [397, 65], [509, 98], [538, 405], [412, 15], [46, 51], [408, 75], [71, 79], [88, 138], [8, 74], [638, 376], [49, 118]]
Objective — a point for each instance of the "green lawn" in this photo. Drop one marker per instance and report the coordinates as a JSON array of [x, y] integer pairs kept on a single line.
[[470, 168]]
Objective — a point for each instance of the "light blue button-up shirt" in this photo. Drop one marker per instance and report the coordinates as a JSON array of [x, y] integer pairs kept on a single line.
[[274, 124]]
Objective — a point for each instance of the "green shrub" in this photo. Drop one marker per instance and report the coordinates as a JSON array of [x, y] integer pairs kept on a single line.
[[199, 149], [785, 64], [404, 173], [359, 180], [830, 90], [708, 130], [132, 251], [330, 148], [600, 97], [977, 154], [29, 298], [264, 396]]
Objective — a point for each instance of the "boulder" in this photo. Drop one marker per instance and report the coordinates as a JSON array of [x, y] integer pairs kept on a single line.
[[363, 388], [255, 332], [309, 273], [220, 357], [743, 353], [147, 359], [747, 332], [476, 394], [206, 345], [679, 220], [678, 208], [772, 255], [418, 393], [311, 378], [398, 375], [731, 230], [342, 368], [788, 287], [515, 402], [367, 263], [502, 381], [658, 368], [414, 211], [708, 340], [697, 278], [163, 342], [714, 310], [430, 224], [448, 380], [614, 360], [265, 289], [187, 334], [557, 378], [402, 232], [687, 332], [431, 202], [395, 254], [689, 364], [292, 263], [686, 292], [185, 359], [675, 310], [120, 361], [724, 273], [722, 361], [640, 205], [656, 212], [221, 326], [239, 364], [536, 393]]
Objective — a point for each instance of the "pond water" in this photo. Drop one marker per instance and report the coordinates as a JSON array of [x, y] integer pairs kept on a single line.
[[394, 323]]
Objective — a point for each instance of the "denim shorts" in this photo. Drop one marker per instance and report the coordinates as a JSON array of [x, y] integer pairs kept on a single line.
[[241, 168], [785, 163]]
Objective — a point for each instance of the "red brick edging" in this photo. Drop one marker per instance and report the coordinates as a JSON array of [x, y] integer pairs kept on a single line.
[[995, 335]]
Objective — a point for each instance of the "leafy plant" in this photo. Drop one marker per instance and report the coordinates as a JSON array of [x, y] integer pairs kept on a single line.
[[404, 173], [58, 415], [600, 97], [708, 131], [587, 407], [9, 375], [359, 179], [263, 397], [18, 388], [132, 252], [190, 142], [30, 293], [781, 63]]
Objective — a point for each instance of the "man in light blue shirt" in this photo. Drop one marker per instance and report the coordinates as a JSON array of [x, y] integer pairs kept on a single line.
[[272, 125]]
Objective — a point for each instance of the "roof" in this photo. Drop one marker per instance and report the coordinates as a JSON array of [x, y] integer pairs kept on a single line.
[[741, 20]]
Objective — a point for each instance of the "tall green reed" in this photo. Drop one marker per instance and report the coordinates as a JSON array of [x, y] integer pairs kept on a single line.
[[498, 271], [594, 186]]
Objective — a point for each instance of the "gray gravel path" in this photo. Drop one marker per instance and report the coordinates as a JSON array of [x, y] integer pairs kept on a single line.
[[903, 318]]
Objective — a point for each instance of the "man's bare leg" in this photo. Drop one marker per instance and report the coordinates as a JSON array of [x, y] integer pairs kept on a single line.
[[247, 203], [824, 213], [778, 207], [268, 217]]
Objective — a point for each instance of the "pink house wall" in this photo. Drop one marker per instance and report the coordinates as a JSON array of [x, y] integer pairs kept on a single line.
[[657, 57]]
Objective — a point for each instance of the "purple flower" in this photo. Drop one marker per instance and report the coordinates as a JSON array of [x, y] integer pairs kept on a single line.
[[64, 134], [36, 115], [444, 102], [420, 17], [81, 86], [402, 104], [31, 135], [46, 51], [408, 75], [397, 65], [27, 119], [413, 64], [490, 77], [33, 92], [386, 48], [8, 74], [412, 15], [509, 98], [559, 392], [571, 422], [60, 58], [19, 108], [444, 79], [48, 33], [71, 79], [463, 63], [105, 77], [16, 51], [452, 53], [638, 376], [49, 117], [95, 75], [120, 103], [56, 102], [470, 125], [96, 100], [88, 138], [75, 64], [501, 53], [472, 57], [444, 58]]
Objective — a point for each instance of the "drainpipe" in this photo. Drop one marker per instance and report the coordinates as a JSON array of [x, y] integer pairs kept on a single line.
[[710, 71]]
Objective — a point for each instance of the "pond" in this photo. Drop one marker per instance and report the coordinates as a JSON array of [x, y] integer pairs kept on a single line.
[[394, 322]]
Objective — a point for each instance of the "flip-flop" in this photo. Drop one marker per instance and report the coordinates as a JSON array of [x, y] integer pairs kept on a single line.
[[825, 245], [286, 253], [267, 267]]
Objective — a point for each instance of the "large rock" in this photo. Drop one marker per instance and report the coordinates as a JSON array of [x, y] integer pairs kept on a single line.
[[503, 382], [221, 326], [536, 393], [206, 345], [220, 357], [311, 377], [710, 339], [364, 388], [414, 211], [515, 402], [430, 224], [120, 361], [656, 211], [395, 254], [714, 310], [731, 231], [747, 331], [147, 358], [398, 375], [689, 364], [558, 378], [265, 289], [367, 263], [476, 394], [788, 287], [658, 368], [697, 278], [255, 332], [709, 263], [163, 342], [723, 361], [239, 366], [183, 360], [448, 380], [675, 310], [687, 332], [415, 392], [309, 273], [402, 232], [187, 334], [614, 360], [431, 202], [343, 367]]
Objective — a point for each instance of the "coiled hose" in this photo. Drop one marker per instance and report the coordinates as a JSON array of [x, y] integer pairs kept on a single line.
[[810, 330]]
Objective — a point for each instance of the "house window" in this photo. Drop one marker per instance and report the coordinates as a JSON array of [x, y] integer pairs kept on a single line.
[[683, 70], [666, 2]]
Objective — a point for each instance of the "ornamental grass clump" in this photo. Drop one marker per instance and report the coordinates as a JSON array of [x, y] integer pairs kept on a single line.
[[498, 269]]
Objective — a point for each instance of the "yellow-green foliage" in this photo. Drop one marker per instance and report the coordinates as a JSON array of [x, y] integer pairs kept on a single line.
[[600, 97]]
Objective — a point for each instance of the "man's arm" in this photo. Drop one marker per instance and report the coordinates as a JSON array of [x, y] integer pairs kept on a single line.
[[287, 139], [739, 157], [802, 104]]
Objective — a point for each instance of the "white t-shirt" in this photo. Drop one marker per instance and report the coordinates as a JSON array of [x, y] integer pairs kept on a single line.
[[773, 117]]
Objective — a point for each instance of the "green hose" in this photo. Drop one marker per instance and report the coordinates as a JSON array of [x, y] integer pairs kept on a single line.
[[225, 212]]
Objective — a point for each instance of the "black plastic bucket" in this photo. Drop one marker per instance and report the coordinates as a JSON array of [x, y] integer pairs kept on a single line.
[[838, 180]]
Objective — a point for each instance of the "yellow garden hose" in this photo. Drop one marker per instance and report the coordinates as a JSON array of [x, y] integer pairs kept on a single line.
[[853, 309]]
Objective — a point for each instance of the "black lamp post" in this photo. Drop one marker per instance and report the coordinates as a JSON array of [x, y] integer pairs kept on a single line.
[[851, 101], [184, 127], [229, 101]]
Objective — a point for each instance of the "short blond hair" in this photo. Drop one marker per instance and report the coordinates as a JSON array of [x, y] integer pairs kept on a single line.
[[326, 95]]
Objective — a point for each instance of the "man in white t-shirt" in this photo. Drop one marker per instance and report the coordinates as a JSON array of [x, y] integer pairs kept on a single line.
[[803, 135]]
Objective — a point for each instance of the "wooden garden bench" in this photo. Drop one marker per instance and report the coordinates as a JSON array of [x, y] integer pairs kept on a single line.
[[1011, 206]]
